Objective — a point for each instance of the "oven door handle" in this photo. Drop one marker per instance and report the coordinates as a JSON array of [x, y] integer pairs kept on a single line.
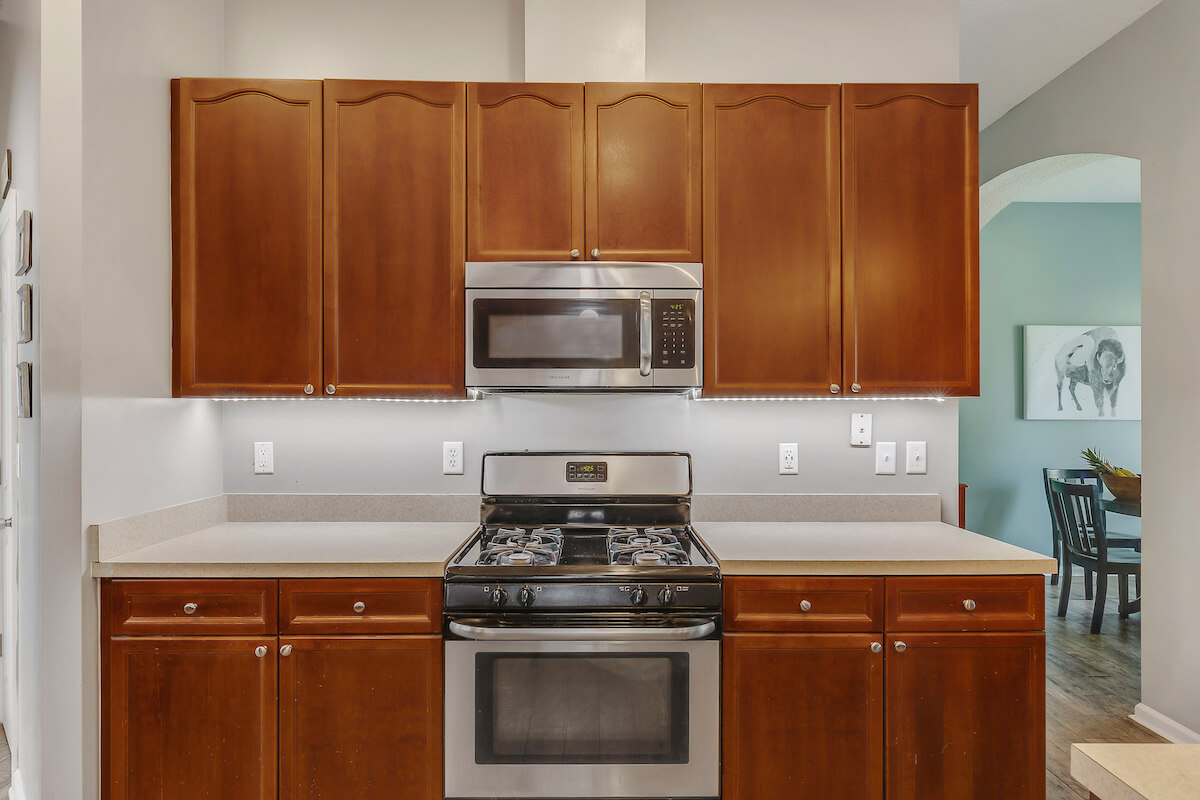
[[490, 633], [644, 331]]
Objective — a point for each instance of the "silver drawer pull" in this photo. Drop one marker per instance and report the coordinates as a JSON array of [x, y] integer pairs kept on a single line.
[[286, 650], [876, 647], [189, 608], [360, 607], [260, 651], [901, 647], [805, 605], [969, 605]]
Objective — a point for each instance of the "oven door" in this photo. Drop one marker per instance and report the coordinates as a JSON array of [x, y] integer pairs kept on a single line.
[[608, 712], [565, 338]]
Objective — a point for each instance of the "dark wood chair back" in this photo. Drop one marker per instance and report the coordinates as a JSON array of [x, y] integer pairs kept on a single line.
[[1078, 517], [1076, 476]]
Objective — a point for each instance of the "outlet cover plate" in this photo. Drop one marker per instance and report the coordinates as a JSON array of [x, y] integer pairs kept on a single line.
[[789, 458], [264, 458], [452, 458]]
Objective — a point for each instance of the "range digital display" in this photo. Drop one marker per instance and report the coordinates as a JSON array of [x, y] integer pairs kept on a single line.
[[587, 471]]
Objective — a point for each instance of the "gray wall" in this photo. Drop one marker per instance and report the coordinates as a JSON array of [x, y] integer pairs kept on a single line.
[[1132, 97], [1043, 264], [349, 446]]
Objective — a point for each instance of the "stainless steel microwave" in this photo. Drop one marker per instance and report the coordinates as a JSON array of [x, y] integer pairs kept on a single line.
[[597, 325]]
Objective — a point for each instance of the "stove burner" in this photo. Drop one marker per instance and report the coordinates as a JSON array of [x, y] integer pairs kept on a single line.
[[517, 558], [644, 557], [519, 547], [646, 548]]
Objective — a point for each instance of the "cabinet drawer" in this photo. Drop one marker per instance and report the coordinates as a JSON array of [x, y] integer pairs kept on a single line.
[[804, 604], [971, 603], [199, 607], [387, 605]]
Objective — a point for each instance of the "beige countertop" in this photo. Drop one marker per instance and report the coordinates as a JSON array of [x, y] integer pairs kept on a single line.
[[1138, 771], [296, 550], [863, 548]]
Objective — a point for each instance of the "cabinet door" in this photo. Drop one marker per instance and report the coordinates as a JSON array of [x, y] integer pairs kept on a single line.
[[246, 236], [966, 716], [802, 716], [191, 718], [394, 181], [360, 717], [524, 171], [911, 238], [772, 240], [643, 171]]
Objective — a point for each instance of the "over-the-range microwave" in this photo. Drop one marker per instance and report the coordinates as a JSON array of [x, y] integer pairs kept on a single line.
[[596, 325]]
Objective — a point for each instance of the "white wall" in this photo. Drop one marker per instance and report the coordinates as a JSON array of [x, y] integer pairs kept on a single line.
[[577, 42], [1131, 97], [802, 41]]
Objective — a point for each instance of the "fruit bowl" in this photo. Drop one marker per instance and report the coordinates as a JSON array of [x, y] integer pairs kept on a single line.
[[1123, 488]]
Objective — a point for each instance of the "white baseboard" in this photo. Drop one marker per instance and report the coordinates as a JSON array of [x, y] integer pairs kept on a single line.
[[1163, 725], [17, 790]]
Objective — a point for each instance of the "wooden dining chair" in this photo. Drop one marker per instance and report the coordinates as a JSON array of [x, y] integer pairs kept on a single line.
[[1085, 543], [1115, 538]]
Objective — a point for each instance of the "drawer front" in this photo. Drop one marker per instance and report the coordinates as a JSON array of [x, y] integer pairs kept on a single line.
[[387, 605], [969, 603], [197, 607], [803, 604]]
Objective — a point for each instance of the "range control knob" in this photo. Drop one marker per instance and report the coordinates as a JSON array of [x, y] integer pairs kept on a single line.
[[638, 596], [499, 596], [526, 596], [666, 596]]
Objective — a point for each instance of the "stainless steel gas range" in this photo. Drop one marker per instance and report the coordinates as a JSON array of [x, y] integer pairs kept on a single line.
[[583, 631]]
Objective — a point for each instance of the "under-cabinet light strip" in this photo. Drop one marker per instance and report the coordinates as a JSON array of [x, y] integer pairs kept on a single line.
[[483, 396]]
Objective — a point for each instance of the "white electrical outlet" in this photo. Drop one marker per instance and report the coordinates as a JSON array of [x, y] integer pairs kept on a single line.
[[789, 456], [914, 463], [452, 458], [264, 458], [885, 458], [860, 430]]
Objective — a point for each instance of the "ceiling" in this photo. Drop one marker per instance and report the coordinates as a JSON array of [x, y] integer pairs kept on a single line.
[[1012, 48]]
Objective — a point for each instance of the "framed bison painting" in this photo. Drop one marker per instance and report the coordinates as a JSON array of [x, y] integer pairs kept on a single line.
[[1091, 372]]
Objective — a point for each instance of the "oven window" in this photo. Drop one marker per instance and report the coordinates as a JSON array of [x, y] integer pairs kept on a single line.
[[555, 333], [581, 708]]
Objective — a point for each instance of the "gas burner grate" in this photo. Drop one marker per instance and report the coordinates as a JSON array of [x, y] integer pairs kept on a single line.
[[521, 547], [648, 547]]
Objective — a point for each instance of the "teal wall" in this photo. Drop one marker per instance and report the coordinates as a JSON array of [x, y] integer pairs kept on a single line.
[[1043, 264]]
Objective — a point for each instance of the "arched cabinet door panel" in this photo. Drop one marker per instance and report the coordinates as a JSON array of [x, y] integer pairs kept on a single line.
[[246, 202], [910, 183], [394, 230]]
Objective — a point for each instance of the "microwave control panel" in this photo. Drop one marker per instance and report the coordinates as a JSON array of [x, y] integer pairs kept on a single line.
[[674, 334]]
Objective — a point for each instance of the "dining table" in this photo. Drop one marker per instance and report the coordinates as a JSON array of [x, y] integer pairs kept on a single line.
[[1130, 508]]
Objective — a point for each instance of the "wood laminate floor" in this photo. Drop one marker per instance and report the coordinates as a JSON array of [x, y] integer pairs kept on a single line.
[[1092, 683], [5, 762]]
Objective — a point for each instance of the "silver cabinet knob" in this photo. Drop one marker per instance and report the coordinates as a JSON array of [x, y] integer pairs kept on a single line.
[[260, 651], [189, 608], [360, 607], [330, 388], [834, 388], [308, 388], [595, 252], [876, 647], [854, 387], [901, 647], [805, 605], [286, 650], [969, 605], [574, 254]]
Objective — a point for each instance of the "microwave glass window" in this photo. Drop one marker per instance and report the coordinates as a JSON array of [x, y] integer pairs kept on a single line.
[[567, 708], [589, 335]]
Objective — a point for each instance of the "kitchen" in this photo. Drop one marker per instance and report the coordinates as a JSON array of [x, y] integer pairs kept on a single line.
[[357, 447]]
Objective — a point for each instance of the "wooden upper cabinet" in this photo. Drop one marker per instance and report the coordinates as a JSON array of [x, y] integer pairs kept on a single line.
[[966, 716], [246, 204], [772, 240], [642, 171], [911, 238], [524, 171], [394, 185]]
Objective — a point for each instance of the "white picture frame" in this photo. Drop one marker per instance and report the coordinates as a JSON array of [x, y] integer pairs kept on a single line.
[[1076, 372]]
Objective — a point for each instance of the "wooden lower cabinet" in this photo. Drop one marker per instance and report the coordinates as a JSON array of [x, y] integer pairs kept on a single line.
[[802, 716], [360, 717], [966, 716], [191, 718]]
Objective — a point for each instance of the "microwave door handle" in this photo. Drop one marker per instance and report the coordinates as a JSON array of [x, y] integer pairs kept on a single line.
[[488, 633], [644, 334]]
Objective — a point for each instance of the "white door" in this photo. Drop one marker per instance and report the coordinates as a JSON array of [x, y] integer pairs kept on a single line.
[[8, 468]]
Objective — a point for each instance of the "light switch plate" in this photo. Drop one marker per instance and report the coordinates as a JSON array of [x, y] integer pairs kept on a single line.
[[914, 461], [264, 458], [885, 458], [860, 430]]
